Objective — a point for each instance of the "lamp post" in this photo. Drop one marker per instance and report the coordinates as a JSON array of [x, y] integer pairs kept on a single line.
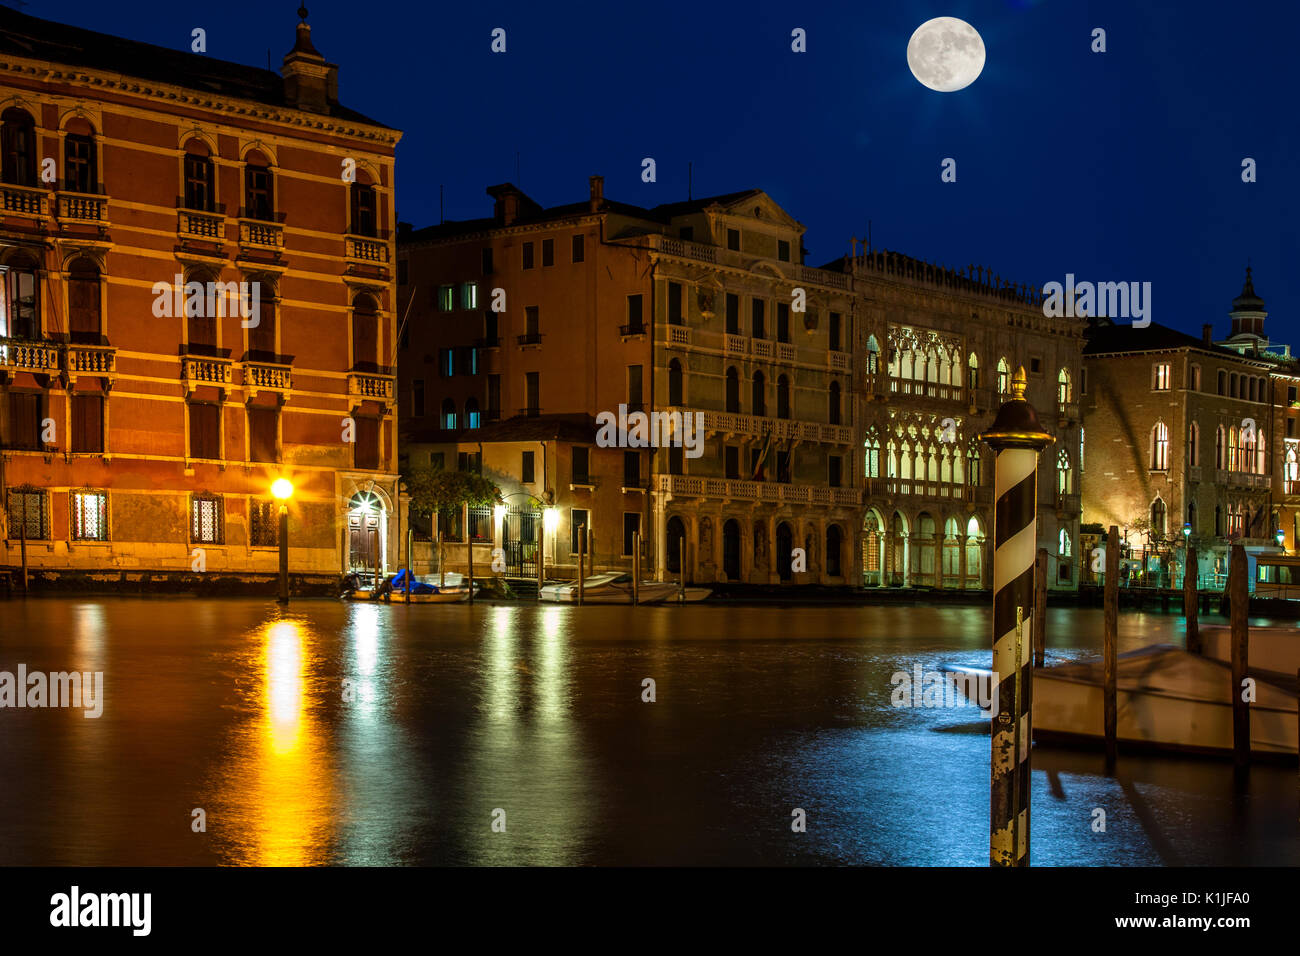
[[1280, 537], [282, 491]]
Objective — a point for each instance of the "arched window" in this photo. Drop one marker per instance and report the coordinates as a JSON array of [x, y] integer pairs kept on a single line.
[[259, 188], [365, 218], [1063, 543], [200, 183], [448, 413], [18, 146], [1160, 447], [973, 465], [833, 411], [1191, 516], [365, 333], [1004, 377], [1063, 393], [1064, 480], [1220, 452], [84, 325], [1194, 445], [22, 317], [782, 397], [80, 160], [1232, 385], [758, 398], [1292, 470], [733, 390], [973, 372], [833, 540], [871, 457], [471, 413], [891, 459], [873, 355], [1158, 516], [1234, 449], [1260, 461], [675, 383]]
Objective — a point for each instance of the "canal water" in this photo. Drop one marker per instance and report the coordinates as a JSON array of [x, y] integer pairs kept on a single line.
[[339, 733]]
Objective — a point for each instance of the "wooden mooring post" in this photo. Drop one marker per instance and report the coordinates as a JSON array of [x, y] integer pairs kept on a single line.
[[582, 553], [636, 568], [541, 557], [469, 554], [1110, 651], [1239, 619], [1191, 606], [1040, 607]]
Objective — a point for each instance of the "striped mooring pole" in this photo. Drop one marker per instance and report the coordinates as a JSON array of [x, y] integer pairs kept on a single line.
[[1016, 438]]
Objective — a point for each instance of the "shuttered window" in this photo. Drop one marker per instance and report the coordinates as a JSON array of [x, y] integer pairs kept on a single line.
[[87, 424], [365, 338], [204, 431], [261, 337], [262, 427], [83, 303], [24, 421], [367, 443], [27, 511]]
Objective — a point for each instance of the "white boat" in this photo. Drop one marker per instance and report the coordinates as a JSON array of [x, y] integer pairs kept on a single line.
[[615, 587], [1273, 649], [1166, 699]]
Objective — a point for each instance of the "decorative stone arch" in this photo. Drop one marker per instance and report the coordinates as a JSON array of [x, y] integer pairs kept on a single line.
[[259, 146], [70, 117], [70, 254], [187, 133], [873, 547]]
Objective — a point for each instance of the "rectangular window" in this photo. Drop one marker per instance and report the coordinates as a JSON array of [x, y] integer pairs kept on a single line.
[[20, 317], [526, 468], [1160, 379], [365, 452], [1083, 381], [548, 252], [205, 438], [634, 387], [491, 330], [532, 396], [27, 515], [494, 397], [631, 528], [263, 524], [1290, 394], [417, 398], [198, 182], [487, 261], [635, 317], [205, 520], [733, 240], [25, 421], [364, 219], [447, 362], [581, 465], [470, 461], [528, 255], [579, 525], [783, 250], [1196, 378], [733, 313], [783, 466], [1290, 428], [757, 328], [1035, 366], [675, 461], [674, 303], [89, 516], [783, 322], [834, 470], [731, 459], [469, 295], [263, 426], [631, 469], [833, 327], [579, 248], [446, 298], [532, 322], [79, 164]]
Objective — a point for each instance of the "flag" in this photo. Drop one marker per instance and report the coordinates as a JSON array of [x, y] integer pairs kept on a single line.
[[762, 457]]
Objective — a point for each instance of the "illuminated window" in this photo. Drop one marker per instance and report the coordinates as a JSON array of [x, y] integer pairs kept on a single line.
[[89, 516], [1160, 447], [1160, 377], [205, 519]]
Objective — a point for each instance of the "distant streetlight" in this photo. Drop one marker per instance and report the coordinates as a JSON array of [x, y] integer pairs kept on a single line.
[[282, 491], [1280, 535], [1187, 531]]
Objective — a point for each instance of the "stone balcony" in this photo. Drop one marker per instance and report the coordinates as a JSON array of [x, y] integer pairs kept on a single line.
[[26, 203], [1067, 413], [782, 429], [199, 370], [736, 489], [365, 250], [371, 385], [83, 210], [259, 237], [1067, 504], [1241, 479], [38, 358], [915, 388], [202, 226], [90, 360], [267, 377]]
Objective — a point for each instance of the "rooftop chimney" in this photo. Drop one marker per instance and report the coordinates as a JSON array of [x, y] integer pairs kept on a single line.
[[1207, 333], [507, 196], [597, 184], [309, 82]]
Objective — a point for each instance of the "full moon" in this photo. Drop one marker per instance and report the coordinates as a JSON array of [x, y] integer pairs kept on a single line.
[[945, 54]]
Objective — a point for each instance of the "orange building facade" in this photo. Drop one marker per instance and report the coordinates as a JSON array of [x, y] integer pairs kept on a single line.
[[196, 301]]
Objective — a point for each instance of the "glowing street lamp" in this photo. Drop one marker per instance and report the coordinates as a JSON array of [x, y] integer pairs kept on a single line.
[[1280, 536], [1187, 531], [282, 491]]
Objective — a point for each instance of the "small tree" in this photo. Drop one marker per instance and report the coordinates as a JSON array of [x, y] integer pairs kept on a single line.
[[434, 491]]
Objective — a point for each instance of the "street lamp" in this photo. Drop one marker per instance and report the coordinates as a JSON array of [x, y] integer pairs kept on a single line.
[[282, 491], [1280, 536], [1187, 530]]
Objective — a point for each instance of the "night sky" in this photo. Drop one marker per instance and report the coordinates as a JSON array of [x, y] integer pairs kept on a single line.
[[1122, 166]]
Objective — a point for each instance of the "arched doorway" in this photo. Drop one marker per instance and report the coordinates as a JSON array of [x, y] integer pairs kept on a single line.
[[731, 549], [897, 549], [974, 552], [676, 535], [365, 533], [784, 547], [872, 548], [925, 528], [952, 552]]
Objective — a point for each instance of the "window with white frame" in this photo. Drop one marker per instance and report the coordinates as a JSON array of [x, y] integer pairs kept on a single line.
[[1160, 377]]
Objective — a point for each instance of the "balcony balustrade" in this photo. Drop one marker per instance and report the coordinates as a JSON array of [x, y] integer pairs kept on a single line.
[[369, 385], [734, 489]]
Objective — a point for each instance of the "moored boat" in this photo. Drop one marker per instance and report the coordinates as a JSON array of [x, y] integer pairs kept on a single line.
[[615, 587]]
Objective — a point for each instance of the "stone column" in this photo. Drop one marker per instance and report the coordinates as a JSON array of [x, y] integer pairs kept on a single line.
[[938, 559], [961, 561]]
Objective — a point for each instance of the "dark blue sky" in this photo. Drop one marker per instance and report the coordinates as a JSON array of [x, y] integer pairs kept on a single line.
[[1122, 166]]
